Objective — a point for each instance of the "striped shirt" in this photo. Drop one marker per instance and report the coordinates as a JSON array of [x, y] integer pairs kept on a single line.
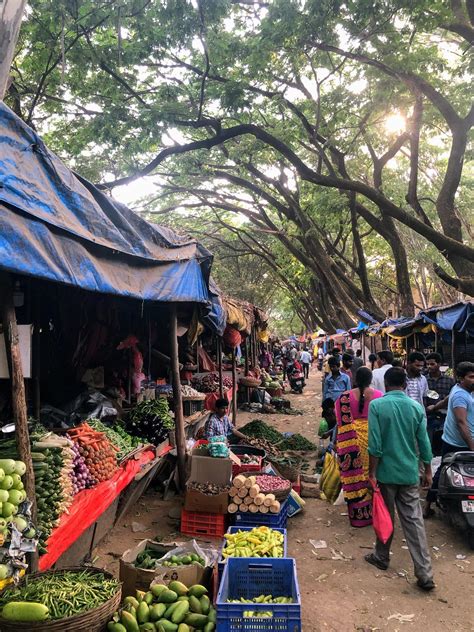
[[417, 387]]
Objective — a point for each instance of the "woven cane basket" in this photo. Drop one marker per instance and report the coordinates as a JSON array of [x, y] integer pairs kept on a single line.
[[90, 621]]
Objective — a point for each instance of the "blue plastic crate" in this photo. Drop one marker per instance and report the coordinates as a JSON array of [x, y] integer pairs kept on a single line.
[[248, 519], [250, 577], [221, 562]]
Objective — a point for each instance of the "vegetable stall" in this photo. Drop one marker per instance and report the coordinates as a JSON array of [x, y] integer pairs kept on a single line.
[[93, 301]]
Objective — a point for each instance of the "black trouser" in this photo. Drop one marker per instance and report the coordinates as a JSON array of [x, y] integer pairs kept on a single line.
[[445, 449], [306, 369]]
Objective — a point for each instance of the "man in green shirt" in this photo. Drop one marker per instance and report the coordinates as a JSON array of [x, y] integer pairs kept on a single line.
[[397, 440]]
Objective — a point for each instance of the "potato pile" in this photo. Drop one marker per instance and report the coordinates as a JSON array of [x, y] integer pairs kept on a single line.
[[245, 496]]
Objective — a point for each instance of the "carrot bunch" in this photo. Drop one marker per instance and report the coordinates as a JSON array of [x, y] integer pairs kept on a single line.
[[99, 454]]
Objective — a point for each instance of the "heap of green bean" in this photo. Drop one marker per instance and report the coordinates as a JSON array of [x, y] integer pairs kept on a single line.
[[65, 594]]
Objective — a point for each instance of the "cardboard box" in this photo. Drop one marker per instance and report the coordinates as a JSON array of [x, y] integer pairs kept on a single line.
[[140, 579], [207, 469]]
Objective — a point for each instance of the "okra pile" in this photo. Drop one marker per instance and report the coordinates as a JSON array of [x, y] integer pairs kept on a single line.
[[62, 594]]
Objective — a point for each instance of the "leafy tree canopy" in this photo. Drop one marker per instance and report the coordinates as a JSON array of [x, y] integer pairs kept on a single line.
[[332, 137]]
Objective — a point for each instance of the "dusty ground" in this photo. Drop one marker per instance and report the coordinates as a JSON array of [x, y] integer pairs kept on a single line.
[[341, 594]]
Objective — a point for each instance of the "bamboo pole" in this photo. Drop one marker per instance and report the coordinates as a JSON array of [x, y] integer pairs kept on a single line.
[[36, 347], [247, 364], [20, 412], [177, 399], [453, 345], [219, 364], [234, 388]]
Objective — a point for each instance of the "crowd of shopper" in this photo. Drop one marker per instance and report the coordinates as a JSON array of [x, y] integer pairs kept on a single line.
[[387, 423]]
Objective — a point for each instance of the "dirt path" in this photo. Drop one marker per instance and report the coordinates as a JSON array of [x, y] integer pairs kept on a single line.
[[342, 594]]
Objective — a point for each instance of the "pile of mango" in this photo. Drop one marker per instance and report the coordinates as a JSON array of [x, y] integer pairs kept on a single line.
[[172, 608]]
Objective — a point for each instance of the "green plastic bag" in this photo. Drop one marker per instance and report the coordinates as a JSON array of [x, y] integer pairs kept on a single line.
[[323, 427]]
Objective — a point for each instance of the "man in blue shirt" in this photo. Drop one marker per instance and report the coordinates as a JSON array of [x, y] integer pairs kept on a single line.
[[219, 424], [458, 433], [336, 382]]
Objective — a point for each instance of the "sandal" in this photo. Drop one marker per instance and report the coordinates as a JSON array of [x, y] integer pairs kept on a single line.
[[428, 513], [372, 559]]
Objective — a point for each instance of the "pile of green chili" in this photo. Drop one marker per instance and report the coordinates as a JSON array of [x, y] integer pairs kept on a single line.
[[65, 594]]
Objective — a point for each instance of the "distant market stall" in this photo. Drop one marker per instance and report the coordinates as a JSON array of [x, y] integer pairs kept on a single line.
[[447, 329], [94, 303]]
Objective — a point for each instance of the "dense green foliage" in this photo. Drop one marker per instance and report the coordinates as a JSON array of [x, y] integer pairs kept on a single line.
[[317, 146]]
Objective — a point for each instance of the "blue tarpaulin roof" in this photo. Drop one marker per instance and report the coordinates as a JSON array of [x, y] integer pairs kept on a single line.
[[58, 226], [457, 317]]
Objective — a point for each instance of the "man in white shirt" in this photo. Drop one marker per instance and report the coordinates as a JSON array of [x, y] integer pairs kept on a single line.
[[305, 359], [417, 384], [384, 363]]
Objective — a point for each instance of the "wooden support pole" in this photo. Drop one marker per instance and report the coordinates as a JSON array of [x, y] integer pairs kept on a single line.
[[247, 364], [234, 388], [36, 351], [177, 399], [20, 413], [453, 346], [219, 364]]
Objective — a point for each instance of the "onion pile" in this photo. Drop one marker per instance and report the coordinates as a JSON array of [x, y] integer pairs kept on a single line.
[[209, 383], [80, 475]]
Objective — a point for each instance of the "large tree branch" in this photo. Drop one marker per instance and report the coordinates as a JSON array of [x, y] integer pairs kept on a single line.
[[415, 127], [413, 81], [446, 245]]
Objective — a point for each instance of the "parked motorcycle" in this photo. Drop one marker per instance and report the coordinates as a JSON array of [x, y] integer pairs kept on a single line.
[[456, 491]]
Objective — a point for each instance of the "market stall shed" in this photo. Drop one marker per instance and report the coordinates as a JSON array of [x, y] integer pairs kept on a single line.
[[60, 229]]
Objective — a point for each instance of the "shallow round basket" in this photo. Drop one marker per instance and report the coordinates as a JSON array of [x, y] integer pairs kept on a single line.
[[89, 621], [280, 495], [250, 381], [291, 472]]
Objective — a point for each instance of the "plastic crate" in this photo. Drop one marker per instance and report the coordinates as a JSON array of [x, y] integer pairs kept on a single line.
[[297, 485], [203, 524], [191, 406], [250, 577], [221, 562], [239, 450], [248, 519]]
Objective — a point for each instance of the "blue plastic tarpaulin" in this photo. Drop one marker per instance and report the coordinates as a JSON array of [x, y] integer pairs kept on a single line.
[[57, 226], [455, 317]]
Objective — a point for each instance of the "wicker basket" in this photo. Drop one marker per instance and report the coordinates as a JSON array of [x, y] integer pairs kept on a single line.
[[91, 621], [291, 472], [280, 495], [250, 381]]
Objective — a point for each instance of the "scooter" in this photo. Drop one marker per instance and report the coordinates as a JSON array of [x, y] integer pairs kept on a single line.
[[456, 491]]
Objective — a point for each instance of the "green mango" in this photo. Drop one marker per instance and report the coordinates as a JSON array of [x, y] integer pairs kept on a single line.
[[143, 612], [157, 610], [129, 622]]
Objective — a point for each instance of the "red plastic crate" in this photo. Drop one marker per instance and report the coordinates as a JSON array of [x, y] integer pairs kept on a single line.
[[297, 485], [203, 524], [237, 469]]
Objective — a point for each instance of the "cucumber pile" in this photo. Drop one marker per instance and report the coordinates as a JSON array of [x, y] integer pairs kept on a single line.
[[47, 466], [172, 608]]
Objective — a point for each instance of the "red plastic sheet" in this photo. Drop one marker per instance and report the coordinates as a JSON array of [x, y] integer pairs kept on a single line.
[[211, 398], [87, 506]]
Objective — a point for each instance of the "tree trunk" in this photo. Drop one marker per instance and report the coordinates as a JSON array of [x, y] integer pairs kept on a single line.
[[11, 14]]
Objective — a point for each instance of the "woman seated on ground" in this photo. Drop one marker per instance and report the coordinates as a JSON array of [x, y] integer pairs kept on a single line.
[[352, 412]]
